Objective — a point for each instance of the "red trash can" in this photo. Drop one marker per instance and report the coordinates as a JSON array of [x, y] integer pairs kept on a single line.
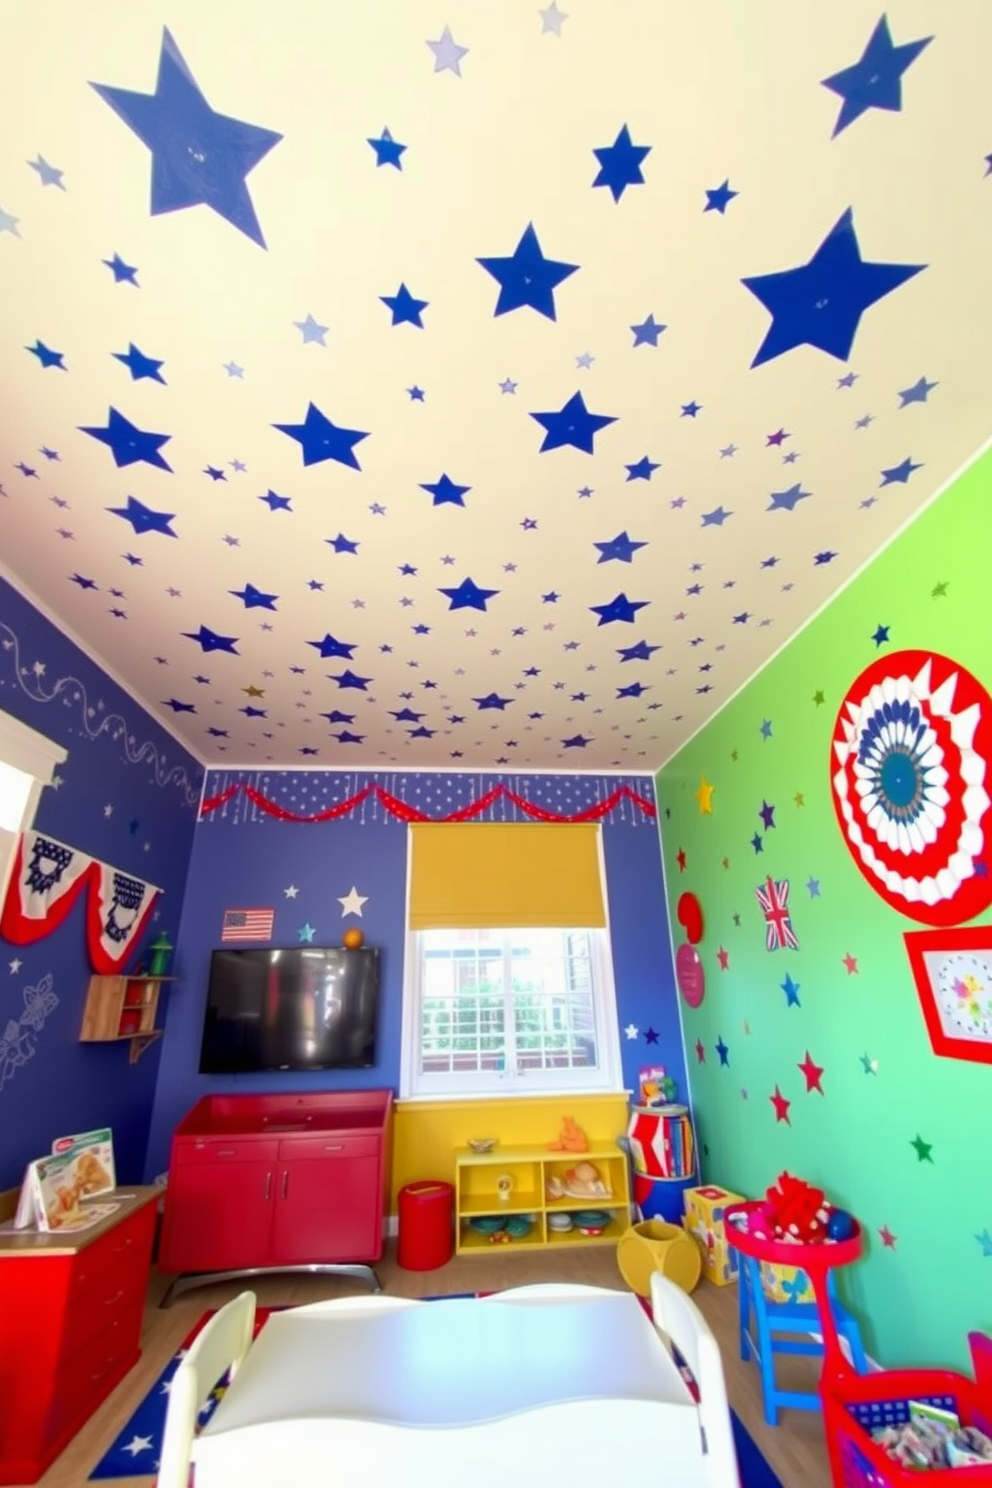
[[426, 1225]]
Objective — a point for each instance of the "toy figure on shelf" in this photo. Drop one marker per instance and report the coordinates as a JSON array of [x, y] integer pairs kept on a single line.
[[571, 1138], [581, 1182]]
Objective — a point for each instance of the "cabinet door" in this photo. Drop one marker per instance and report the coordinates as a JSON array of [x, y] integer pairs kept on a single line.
[[328, 1209], [218, 1216]]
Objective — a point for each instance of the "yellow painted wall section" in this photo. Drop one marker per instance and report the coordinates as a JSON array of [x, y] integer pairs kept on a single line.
[[426, 1133]]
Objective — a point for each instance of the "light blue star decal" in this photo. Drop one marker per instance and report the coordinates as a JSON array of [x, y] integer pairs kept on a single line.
[[320, 439], [821, 303], [527, 278], [48, 175], [899, 474], [715, 518], [720, 198], [128, 444], [8, 223], [620, 548], [445, 491], [468, 596], [813, 885], [198, 156], [312, 331], [791, 990], [786, 500], [766, 728], [306, 933], [647, 333], [404, 307], [918, 393], [233, 370], [139, 365], [387, 150], [985, 1241], [447, 53], [572, 425], [620, 164], [620, 608], [875, 81]]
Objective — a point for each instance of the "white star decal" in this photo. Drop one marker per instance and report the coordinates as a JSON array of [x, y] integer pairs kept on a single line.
[[108, 810], [138, 1444], [631, 1031], [291, 892], [352, 902], [15, 966]]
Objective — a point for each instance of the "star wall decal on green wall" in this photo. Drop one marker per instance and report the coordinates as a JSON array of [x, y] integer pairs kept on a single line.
[[923, 1149]]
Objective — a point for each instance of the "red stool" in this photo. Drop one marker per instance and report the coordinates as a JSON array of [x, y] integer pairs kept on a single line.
[[426, 1225]]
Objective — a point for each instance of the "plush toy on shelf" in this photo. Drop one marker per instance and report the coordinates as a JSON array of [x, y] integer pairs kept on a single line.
[[571, 1138], [795, 1211]]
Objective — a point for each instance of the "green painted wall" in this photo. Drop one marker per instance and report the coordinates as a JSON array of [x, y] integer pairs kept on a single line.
[[882, 1085]]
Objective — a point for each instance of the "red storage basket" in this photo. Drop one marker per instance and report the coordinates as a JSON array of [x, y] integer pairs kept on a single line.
[[426, 1225]]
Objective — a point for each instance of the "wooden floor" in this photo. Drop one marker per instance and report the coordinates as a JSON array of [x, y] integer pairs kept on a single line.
[[795, 1449]]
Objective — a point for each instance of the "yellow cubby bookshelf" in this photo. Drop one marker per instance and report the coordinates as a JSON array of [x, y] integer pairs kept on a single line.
[[530, 1168]]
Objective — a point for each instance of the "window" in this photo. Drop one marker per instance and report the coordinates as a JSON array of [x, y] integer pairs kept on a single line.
[[27, 762]]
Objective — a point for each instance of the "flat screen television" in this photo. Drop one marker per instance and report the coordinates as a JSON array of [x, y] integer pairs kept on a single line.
[[298, 1008]]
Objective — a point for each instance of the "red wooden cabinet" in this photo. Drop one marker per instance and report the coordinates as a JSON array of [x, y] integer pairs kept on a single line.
[[278, 1180]]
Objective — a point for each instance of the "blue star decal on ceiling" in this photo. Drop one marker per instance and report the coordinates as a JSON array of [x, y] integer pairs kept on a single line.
[[642, 469], [336, 716], [47, 357], [647, 333], [875, 80], [445, 491], [899, 474], [312, 331], [690, 410], [572, 425], [215, 473], [198, 156], [254, 599], [527, 278], [404, 307], [447, 53], [715, 518], [143, 518], [139, 365], [83, 583], [468, 596], [387, 150], [123, 273], [342, 544], [48, 175], [720, 198], [491, 700], [821, 303], [129, 444], [620, 164], [821, 559], [641, 652], [918, 393], [347, 678], [275, 502], [786, 500], [577, 741], [209, 640], [329, 646], [620, 548], [178, 707], [320, 439], [634, 690], [620, 608]]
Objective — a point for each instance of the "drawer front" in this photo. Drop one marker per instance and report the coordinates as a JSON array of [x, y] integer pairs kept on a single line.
[[132, 1237], [111, 1297], [329, 1145], [221, 1149], [83, 1382]]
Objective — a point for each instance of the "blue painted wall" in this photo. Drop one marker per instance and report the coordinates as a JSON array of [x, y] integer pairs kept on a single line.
[[128, 795], [245, 858]]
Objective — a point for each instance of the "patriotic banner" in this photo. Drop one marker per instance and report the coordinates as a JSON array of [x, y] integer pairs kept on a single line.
[[773, 896], [49, 877], [247, 924]]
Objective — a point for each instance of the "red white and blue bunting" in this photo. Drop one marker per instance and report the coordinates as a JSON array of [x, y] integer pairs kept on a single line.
[[47, 880]]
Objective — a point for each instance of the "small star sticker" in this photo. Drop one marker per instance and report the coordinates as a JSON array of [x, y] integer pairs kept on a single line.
[[631, 1032], [291, 892], [700, 1051], [881, 634], [681, 859], [813, 885], [791, 990], [447, 53], [869, 1065], [918, 393], [723, 957], [887, 1238], [650, 1036], [704, 795], [723, 1053], [812, 1073], [719, 198], [306, 933], [781, 1105], [620, 164], [850, 964], [387, 150], [352, 902], [939, 591], [923, 1149]]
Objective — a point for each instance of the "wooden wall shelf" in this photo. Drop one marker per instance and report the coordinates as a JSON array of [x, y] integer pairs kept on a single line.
[[122, 1008]]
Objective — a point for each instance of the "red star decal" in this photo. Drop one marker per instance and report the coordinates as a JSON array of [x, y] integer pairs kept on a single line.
[[812, 1072], [851, 964], [724, 959], [888, 1239], [681, 859], [700, 1051], [781, 1105]]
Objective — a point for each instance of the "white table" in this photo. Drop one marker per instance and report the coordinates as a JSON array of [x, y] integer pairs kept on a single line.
[[481, 1393]]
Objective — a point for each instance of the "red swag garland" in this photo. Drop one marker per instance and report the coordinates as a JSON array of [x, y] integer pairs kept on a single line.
[[403, 812]]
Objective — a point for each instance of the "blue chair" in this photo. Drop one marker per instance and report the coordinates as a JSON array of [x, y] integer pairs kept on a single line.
[[763, 1322]]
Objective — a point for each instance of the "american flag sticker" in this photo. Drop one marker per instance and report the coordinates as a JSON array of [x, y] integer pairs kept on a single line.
[[248, 924]]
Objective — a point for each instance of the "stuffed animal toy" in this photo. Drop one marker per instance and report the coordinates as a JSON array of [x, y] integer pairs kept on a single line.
[[793, 1210]]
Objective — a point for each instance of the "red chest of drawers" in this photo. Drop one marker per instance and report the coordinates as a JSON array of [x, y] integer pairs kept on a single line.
[[70, 1329]]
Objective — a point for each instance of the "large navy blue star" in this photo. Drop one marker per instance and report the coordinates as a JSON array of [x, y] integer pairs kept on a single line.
[[621, 547], [142, 518], [492, 700], [620, 164], [405, 307], [347, 678], [821, 302], [573, 424], [198, 156], [331, 647], [254, 599], [528, 278], [876, 80], [127, 443], [320, 439], [468, 596], [620, 608], [445, 490], [211, 641], [575, 742], [640, 652], [138, 364]]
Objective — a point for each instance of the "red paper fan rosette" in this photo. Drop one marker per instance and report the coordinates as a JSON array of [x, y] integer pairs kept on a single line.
[[911, 756]]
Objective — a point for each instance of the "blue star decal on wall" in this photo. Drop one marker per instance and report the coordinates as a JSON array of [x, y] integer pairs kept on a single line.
[[723, 1052], [715, 518], [215, 473], [209, 640], [620, 164], [47, 357], [123, 273], [720, 198], [791, 990], [527, 278], [620, 608], [387, 150], [572, 425], [647, 332], [129, 444], [198, 156], [444, 490], [320, 439], [642, 469], [329, 646], [404, 307], [620, 547], [254, 599], [881, 635], [821, 303], [918, 393], [491, 700], [875, 80], [468, 596], [899, 474], [139, 365], [786, 500], [821, 559]]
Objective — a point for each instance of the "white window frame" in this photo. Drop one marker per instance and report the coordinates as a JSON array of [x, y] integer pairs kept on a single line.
[[29, 753]]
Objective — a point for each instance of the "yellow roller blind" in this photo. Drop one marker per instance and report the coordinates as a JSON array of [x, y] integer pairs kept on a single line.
[[488, 875]]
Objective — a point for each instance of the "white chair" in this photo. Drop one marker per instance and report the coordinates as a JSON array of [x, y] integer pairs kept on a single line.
[[220, 1345], [680, 1322]]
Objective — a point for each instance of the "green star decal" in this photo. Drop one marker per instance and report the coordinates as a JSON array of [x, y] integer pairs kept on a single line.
[[939, 591], [818, 698], [923, 1149]]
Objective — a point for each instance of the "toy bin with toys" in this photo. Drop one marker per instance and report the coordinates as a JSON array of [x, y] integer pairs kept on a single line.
[[705, 1208]]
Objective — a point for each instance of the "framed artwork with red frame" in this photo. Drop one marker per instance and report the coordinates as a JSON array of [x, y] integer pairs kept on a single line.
[[952, 970]]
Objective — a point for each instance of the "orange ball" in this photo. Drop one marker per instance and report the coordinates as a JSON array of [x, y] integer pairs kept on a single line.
[[352, 939]]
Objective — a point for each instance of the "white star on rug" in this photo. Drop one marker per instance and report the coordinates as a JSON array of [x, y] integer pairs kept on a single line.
[[138, 1444], [352, 902]]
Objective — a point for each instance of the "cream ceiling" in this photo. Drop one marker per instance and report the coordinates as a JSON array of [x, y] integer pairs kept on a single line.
[[477, 383]]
